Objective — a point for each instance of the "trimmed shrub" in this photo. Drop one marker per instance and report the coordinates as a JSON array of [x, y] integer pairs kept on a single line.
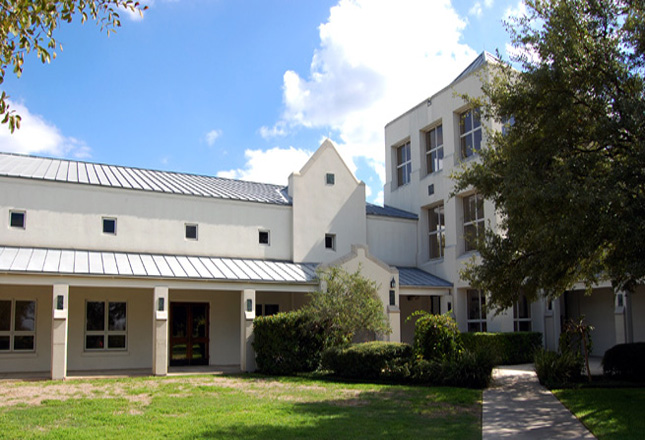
[[557, 369], [467, 369], [625, 361], [505, 348], [436, 337], [369, 360], [287, 343]]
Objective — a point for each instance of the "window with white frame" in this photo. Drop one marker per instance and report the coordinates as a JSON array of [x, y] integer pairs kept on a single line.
[[191, 231], [109, 225], [434, 149], [403, 164], [17, 219], [17, 325], [470, 132], [437, 231], [105, 325], [264, 237], [476, 310], [473, 221], [330, 241], [522, 315]]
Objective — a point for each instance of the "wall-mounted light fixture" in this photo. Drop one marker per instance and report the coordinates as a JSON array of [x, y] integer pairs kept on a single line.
[[393, 283], [249, 305]]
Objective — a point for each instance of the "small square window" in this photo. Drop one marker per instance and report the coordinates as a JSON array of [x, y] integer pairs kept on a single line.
[[17, 219], [191, 232], [109, 226], [330, 179], [330, 241], [263, 237]]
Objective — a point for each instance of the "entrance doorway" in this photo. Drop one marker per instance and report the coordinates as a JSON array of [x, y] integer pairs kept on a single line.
[[189, 333]]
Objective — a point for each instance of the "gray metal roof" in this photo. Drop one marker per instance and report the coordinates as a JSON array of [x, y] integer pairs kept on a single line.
[[482, 59], [128, 264], [63, 170], [415, 277], [389, 211]]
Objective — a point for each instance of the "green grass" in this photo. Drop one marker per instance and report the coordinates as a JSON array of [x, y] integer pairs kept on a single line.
[[609, 413], [250, 407]]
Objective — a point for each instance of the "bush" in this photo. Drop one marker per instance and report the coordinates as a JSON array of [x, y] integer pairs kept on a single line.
[[505, 348], [467, 369], [369, 360], [436, 337], [557, 369], [287, 343], [625, 361]]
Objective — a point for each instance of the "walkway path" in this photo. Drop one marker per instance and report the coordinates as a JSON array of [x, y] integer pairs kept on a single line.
[[516, 406]]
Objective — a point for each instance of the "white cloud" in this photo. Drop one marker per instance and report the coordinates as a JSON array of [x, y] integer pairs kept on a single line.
[[270, 166], [516, 12], [376, 59], [476, 10], [38, 136], [277, 130], [212, 136]]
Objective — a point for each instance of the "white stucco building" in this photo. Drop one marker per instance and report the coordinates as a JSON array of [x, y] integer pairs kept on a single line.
[[423, 146], [107, 267]]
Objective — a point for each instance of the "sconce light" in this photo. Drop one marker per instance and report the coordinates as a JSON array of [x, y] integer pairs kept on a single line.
[[60, 302], [393, 283], [160, 304], [249, 305]]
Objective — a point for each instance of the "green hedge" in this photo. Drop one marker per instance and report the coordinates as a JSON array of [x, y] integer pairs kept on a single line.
[[287, 343], [505, 348], [369, 360], [436, 337], [625, 361], [467, 369], [556, 370]]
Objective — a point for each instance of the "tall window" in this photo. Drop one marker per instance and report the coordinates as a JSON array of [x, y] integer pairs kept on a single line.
[[437, 223], [105, 325], [522, 315], [473, 221], [470, 132], [17, 325], [403, 164], [476, 311], [434, 149]]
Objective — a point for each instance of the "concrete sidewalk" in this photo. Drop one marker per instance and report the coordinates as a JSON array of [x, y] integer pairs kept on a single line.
[[516, 406]]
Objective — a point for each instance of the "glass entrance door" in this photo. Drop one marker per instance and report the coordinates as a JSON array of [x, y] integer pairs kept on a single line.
[[188, 333]]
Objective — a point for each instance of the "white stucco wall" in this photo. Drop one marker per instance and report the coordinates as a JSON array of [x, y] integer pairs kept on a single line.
[[40, 359], [319, 208], [139, 330], [598, 309], [146, 221], [392, 240]]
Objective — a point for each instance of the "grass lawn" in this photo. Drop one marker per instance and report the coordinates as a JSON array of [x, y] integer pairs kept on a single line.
[[609, 413], [247, 407]]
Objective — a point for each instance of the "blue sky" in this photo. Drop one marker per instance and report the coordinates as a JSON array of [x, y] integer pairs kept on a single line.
[[247, 89]]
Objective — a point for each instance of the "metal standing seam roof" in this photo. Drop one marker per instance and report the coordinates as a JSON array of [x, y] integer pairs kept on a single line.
[[62, 170], [87, 173], [128, 264], [415, 277]]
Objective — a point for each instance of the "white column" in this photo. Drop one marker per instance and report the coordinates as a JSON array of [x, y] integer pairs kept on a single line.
[[623, 317], [247, 307], [60, 305], [160, 331]]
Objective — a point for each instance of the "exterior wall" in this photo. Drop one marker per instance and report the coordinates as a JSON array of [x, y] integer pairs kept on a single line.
[[598, 310], [319, 208], [224, 322], [286, 301], [139, 330], [392, 240], [40, 359], [408, 305], [146, 221], [444, 108]]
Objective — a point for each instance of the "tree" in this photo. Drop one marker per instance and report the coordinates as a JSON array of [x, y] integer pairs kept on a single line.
[[568, 175], [28, 26], [347, 304]]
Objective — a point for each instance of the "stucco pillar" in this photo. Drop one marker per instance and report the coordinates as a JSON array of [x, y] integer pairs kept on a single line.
[[623, 317], [247, 307], [160, 331], [60, 306], [394, 315]]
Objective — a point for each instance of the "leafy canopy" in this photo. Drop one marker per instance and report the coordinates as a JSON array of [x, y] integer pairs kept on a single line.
[[347, 304], [28, 26], [568, 177]]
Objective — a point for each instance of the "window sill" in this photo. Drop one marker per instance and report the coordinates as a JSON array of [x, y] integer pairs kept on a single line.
[[18, 355], [100, 353]]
